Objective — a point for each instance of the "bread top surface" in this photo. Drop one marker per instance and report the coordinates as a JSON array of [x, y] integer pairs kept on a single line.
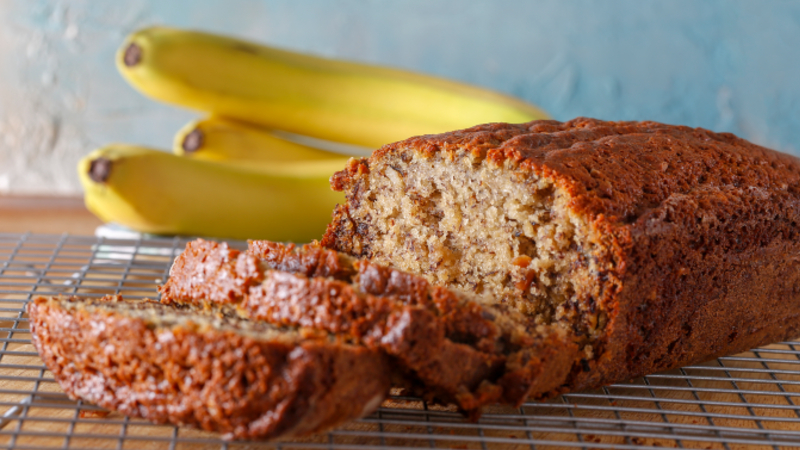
[[619, 170]]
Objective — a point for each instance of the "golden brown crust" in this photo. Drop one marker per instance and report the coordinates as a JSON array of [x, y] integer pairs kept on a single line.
[[242, 385], [459, 350], [413, 335], [310, 260], [697, 232], [617, 169], [214, 270], [697, 285]]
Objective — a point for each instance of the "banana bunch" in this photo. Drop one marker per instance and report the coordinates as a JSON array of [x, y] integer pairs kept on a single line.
[[158, 192], [279, 125]]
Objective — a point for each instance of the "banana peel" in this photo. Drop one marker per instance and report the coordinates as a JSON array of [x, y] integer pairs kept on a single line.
[[226, 141], [323, 98], [161, 193]]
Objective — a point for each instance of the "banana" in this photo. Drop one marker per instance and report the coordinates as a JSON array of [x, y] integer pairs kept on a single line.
[[323, 98], [225, 141], [162, 193]]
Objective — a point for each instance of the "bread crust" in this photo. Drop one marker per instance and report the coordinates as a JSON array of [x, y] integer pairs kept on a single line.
[[696, 232], [448, 348], [219, 380]]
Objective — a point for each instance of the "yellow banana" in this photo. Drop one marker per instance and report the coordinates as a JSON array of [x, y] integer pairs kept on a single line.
[[323, 98], [158, 192], [221, 140]]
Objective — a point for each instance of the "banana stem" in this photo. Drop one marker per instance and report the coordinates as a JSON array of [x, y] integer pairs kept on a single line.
[[193, 141], [100, 169], [133, 54]]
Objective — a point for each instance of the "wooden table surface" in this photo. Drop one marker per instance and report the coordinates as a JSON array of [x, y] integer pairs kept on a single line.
[[51, 215]]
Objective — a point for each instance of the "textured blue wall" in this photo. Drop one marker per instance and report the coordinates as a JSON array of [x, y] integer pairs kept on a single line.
[[724, 65]]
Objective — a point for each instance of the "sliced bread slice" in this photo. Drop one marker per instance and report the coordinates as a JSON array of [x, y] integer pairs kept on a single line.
[[189, 366], [450, 346]]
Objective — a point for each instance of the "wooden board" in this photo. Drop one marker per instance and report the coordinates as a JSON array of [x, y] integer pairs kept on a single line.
[[51, 215]]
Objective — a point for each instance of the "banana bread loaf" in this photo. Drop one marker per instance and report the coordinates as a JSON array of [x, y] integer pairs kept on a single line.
[[653, 246], [447, 346], [186, 366]]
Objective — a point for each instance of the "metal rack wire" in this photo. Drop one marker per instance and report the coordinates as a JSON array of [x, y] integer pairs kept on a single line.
[[744, 401]]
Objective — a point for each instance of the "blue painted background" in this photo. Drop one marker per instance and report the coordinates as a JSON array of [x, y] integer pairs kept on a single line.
[[724, 65]]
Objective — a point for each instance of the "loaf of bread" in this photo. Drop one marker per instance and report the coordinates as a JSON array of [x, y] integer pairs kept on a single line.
[[652, 246], [189, 366], [489, 265], [444, 345]]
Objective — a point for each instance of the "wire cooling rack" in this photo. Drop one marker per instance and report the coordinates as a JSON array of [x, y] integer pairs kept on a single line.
[[742, 401]]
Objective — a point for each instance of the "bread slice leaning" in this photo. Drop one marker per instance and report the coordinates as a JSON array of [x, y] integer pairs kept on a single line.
[[185, 366], [447, 346]]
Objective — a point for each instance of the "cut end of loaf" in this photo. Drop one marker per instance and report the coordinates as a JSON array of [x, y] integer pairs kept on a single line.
[[470, 223]]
